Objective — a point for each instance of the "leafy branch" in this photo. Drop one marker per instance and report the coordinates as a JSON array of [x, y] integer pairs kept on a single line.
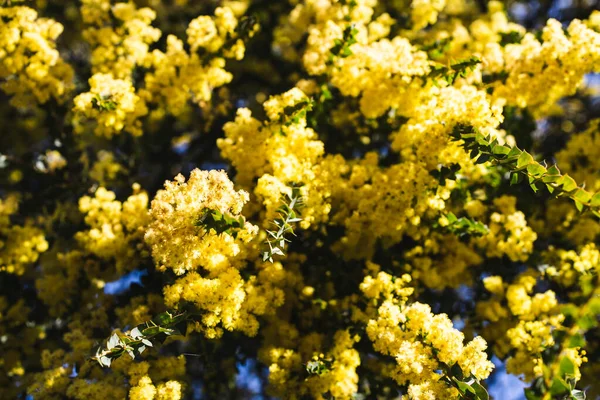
[[139, 338], [468, 386], [341, 47], [220, 222], [522, 165], [464, 226], [288, 214], [561, 386], [436, 49], [450, 73], [293, 114]]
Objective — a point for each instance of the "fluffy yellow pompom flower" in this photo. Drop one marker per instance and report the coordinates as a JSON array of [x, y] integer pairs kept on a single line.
[[113, 105], [116, 229], [20, 245], [120, 36], [177, 237], [31, 69]]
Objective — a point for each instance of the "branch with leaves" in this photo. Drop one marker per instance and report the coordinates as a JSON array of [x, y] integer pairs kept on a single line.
[[464, 226], [141, 337], [468, 386], [288, 215], [450, 73], [522, 165]]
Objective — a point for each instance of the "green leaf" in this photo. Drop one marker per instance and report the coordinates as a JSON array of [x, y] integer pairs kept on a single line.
[[524, 159], [451, 218], [577, 394], [531, 395], [553, 170], [515, 152], [512, 37], [587, 322], [113, 341], [582, 196], [567, 367], [482, 394], [464, 387], [219, 223], [577, 340], [568, 184], [595, 201], [501, 150], [550, 178], [535, 170], [104, 361], [436, 49], [515, 178], [559, 386]]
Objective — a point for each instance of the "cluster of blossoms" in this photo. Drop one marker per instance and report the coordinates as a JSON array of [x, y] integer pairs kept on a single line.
[[327, 196], [20, 245], [31, 68]]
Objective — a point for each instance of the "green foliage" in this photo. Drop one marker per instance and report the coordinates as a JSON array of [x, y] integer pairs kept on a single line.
[[104, 103], [220, 222], [318, 367], [9, 3], [512, 37], [559, 387], [139, 338], [522, 165], [293, 114], [494, 77], [468, 386], [464, 226], [451, 73], [288, 215], [436, 49], [445, 172], [341, 47]]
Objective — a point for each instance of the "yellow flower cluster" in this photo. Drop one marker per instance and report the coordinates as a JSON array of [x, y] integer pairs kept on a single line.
[[119, 35], [333, 371], [143, 375], [31, 68], [178, 76], [106, 168], [210, 261], [58, 286], [541, 73], [324, 21], [176, 235], [116, 228], [113, 105], [508, 233], [442, 261], [367, 298], [280, 153], [425, 137], [20, 245], [425, 12], [581, 156], [567, 266], [521, 322], [420, 342]]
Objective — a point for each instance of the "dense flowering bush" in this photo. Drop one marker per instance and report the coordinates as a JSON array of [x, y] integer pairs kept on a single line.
[[333, 199]]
